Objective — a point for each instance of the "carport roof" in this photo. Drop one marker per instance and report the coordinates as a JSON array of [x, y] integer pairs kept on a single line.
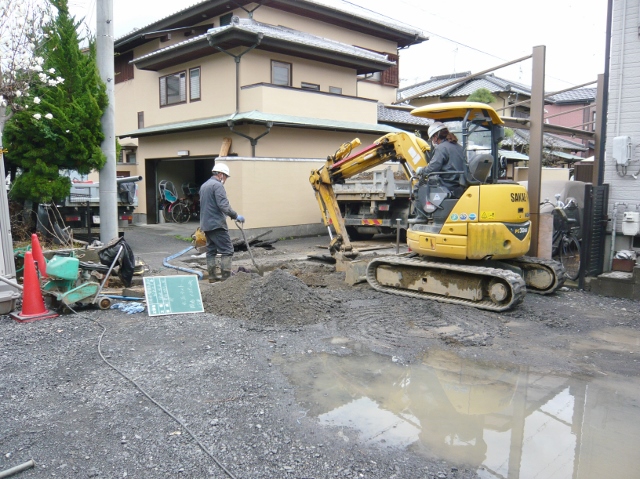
[[260, 118]]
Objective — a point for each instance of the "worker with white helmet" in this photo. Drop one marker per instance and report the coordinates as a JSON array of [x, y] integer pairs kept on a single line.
[[448, 157], [214, 209]]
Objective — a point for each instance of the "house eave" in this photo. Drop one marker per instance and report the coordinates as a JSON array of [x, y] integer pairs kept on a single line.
[[233, 38], [214, 8]]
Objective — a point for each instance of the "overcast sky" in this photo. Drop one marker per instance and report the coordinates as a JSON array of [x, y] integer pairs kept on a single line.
[[464, 35]]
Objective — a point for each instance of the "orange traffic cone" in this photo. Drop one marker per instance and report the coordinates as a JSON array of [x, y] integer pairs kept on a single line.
[[38, 255], [33, 307]]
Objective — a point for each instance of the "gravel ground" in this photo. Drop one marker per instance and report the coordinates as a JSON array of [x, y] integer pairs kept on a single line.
[[110, 395]]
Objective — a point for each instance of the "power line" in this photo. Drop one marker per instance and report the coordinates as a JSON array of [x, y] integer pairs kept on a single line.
[[438, 35]]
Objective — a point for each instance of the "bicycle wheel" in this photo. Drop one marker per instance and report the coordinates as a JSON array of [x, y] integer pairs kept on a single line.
[[180, 213], [570, 256]]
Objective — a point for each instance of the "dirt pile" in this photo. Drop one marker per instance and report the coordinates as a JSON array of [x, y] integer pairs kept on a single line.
[[279, 300]]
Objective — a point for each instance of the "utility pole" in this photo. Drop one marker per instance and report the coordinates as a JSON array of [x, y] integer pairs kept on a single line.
[[7, 264], [535, 142], [108, 186]]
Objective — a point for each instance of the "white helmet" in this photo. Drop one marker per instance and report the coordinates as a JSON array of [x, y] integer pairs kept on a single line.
[[220, 168], [435, 127]]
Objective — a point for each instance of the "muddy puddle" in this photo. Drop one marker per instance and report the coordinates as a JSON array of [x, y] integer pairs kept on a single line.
[[503, 421]]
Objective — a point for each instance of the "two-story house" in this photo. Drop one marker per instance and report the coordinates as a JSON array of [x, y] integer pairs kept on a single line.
[[284, 80], [574, 109]]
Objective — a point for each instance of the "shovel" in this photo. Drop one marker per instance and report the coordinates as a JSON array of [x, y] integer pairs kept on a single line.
[[239, 225]]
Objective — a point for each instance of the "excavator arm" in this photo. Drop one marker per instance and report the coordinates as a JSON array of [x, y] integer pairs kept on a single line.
[[403, 147]]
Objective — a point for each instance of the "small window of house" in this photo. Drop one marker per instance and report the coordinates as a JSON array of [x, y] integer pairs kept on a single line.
[[335, 89], [140, 119], [593, 119], [226, 19], [194, 84], [280, 73], [309, 86], [173, 89]]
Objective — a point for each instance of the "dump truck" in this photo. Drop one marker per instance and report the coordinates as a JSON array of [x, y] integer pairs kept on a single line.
[[79, 212], [466, 249], [373, 202]]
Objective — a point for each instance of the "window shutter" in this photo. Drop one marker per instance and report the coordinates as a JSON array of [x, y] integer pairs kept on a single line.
[[391, 76], [183, 87], [194, 86], [163, 91]]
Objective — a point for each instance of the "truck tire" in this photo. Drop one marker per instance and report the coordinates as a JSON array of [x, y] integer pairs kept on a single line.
[[354, 235]]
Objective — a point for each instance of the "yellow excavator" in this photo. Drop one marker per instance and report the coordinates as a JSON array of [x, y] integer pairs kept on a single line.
[[469, 250]]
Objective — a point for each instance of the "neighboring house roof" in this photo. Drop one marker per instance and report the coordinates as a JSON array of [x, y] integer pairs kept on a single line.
[[401, 117], [521, 138], [342, 14], [258, 117], [512, 155], [246, 32], [491, 82], [580, 95]]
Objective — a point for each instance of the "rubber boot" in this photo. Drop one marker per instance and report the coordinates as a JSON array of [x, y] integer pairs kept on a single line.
[[213, 268], [225, 267]]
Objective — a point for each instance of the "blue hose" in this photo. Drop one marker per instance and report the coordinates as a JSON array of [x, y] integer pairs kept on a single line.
[[165, 263]]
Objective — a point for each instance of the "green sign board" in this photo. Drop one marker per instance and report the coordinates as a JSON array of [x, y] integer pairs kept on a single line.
[[178, 294]]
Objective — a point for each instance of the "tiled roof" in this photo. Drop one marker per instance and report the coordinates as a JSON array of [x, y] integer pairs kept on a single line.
[[279, 33], [492, 83], [580, 95], [259, 117], [521, 138], [400, 116], [342, 7]]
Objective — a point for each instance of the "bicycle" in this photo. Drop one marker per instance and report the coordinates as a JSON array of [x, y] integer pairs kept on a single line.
[[173, 208], [566, 236]]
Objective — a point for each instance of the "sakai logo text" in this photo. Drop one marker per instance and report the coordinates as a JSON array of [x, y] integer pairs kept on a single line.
[[518, 197]]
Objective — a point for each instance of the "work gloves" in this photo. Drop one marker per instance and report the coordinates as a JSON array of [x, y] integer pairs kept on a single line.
[[240, 219]]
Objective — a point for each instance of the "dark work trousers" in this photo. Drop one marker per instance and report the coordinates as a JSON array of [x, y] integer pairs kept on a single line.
[[218, 242]]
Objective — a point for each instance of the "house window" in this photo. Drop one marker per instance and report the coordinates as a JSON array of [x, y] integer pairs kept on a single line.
[[280, 73], [194, 84], [127, 155], [593, 118], [226, 19], [374, 77], [309, 86], [335, 89], [140, 119], [173, 89], [389, 77]]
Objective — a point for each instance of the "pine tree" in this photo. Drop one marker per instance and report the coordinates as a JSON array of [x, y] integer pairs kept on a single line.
[[482, 95], [59, 127]]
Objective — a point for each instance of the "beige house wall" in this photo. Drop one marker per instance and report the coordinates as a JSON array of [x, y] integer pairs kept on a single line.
[[369, 89], [256, 68], [310, 104], [143, 94], [278, 17], [278, 146]]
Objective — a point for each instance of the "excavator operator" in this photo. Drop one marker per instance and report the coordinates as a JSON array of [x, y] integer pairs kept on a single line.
[[448, 156]]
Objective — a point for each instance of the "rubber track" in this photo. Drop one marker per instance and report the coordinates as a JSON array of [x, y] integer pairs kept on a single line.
[[552, 266], [515, 282]]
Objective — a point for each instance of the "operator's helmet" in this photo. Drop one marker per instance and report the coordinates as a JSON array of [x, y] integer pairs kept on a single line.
[[435, 127], [220, 168]]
